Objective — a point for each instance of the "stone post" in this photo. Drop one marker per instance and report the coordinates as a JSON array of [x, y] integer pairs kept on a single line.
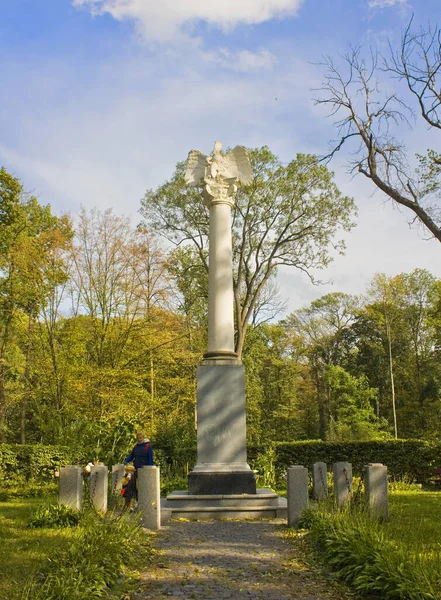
[[99, 484], [117, 477], [342, 472], [375, 484], [149, 500], [71, 487], [320, 480], [297, 491]]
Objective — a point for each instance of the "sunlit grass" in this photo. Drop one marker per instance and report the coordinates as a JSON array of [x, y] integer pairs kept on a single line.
[[396, 559], [23, 550], [415, 524]]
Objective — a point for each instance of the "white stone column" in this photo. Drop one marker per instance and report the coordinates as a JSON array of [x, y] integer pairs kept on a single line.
[[375, 483], [149, 500], [220, 274], [297, 492], [71, 487], [320, 480], [98, 487], [342, 472]]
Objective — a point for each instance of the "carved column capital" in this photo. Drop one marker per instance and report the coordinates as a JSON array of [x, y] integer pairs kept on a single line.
[[219, 192]]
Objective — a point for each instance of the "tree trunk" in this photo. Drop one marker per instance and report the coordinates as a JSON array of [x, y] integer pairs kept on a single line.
[[2, 401], [26, 385], [391, 373]]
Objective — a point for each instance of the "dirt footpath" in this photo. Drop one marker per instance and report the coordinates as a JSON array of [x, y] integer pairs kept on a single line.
[[216, 560]]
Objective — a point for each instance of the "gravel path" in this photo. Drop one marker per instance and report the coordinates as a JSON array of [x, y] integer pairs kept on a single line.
[[216, 560]]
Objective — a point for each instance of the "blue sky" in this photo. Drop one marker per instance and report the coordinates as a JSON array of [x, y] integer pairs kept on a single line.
[[100, 99]]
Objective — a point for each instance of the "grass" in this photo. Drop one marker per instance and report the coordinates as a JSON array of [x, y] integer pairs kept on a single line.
[[415, 521], [22, 550], [97, 558], [399, 559]]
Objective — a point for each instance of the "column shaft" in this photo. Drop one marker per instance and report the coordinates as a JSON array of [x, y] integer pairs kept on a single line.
[[220, 281]]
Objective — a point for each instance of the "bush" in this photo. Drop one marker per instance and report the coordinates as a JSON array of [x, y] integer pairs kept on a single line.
[[100, 551], [410, 460], [54, 516], [35, 462], [355, 547]]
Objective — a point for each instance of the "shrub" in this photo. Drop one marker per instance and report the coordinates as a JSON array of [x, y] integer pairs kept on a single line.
[[54, 516], [412, 460], [34, 462], [94, 561], [356, 548]]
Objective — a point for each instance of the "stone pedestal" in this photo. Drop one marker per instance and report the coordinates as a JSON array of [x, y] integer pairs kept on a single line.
[[117, 477], [221, 432], [342, 472], [99, 483], [297, 492], [263, 504], [319, 481], [71, 487], [149, 500], [375, 482]]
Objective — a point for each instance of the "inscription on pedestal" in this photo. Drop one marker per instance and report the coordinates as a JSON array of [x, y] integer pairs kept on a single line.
[[221, 419], [221, 433]]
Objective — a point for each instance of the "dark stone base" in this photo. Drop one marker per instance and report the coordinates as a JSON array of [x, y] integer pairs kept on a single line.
[[220, 355], [204, 484]]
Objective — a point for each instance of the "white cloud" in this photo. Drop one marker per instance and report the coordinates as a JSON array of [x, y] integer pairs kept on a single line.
[[387, 3], [168, 20], [243, 60], [123, 128]]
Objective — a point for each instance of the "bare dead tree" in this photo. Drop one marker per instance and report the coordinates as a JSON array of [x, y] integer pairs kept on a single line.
[[418, 64], [372, 116]]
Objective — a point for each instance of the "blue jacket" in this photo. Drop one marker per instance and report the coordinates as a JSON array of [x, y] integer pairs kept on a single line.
[[141, 455]]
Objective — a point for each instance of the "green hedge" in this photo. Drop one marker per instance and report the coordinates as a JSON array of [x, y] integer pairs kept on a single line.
[[34, 462], [405, 459], [413, 460]]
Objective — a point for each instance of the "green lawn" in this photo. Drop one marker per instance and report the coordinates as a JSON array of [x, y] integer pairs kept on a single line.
[[397, 559], [415, 520], [415, 523], [23, 550]]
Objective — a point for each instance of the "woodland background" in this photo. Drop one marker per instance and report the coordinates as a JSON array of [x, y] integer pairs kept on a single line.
[[103, 324]]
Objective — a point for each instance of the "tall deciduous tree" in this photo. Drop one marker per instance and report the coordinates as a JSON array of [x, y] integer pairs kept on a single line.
[[322, 326], [370, 111], [289, 215], [30, 268]]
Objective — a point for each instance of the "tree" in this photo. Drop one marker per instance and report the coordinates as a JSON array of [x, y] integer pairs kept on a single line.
[[289, 215], [399, 309], [372, 115], [352, 416], [323, 325], [31, 238], [383, 292]]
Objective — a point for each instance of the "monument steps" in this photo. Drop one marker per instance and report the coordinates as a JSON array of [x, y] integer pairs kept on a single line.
[[264, 504]]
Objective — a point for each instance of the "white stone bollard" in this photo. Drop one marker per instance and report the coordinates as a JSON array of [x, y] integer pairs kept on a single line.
[[375, 484], [320, 480], [342, 472], [149, 497], [71, 487], [117, 477], [99, 484], [297, 492]]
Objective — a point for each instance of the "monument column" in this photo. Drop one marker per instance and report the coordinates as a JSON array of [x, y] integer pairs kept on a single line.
[[221, 419], [220, 278]]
